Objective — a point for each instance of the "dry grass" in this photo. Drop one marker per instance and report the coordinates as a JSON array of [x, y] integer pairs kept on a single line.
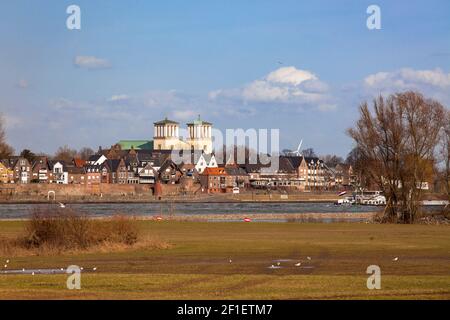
[[53, 231]]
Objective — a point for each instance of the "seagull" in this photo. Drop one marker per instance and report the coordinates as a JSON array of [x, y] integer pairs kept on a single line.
[[6, 266], [298, 264], [7, 261], [23, 269], [309, 258], [278, 263], [272, 266], [62, 269], [94, 269], [231, 261], [395, 259], [62, 205], [81, 268], [32, 273]]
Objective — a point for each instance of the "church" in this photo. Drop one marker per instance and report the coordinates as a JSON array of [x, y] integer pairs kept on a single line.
[[166, 136]]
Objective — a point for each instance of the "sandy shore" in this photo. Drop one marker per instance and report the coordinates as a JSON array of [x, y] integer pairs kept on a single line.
[[288, 217], [276, 217]]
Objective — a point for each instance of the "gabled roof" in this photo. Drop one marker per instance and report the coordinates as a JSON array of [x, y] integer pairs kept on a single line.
[[94, 157], [52, 163], [235, 171], [285, 166], [7, 163], [169, 163], [294, 160], [208, 157], [199, 122], [165, 121], [79, 162], [220, 171], [113, 164], [75, 170], [41, 160], [11, 162]]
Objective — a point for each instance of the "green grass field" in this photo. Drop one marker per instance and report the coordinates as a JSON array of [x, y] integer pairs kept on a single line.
[[197, 263]]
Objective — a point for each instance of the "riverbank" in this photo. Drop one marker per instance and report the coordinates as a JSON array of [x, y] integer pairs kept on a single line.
[[233, 261]]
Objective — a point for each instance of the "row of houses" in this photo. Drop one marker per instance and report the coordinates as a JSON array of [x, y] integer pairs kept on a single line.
[[130, 166]]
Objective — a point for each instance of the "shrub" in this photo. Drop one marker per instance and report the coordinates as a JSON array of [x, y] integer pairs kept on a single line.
[[68, 229]]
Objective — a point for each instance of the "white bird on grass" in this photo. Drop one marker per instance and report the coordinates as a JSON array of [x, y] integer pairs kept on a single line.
[[278, 263], [309, 258], [395, 259], [231, 261], [298, 264], [6, 266], [32, 273], [7, 261], [62, 205], [94, 269]]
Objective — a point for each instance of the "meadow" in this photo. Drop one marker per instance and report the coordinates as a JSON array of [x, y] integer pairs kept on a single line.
[[233, 260]]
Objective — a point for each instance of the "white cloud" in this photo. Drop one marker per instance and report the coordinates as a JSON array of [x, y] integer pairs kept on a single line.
[[119, 98], [290, 75], [432, 83], [408, 78], [286, 85], [91, 62]]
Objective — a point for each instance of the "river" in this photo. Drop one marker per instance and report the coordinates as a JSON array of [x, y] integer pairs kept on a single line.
[[20, 211]]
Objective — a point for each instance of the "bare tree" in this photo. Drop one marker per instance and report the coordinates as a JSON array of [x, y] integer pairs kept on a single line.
[[65, 153], [5, 149], [29, 155], [398, 141], [85, 153], [332, 160], [309, 153], [445, 152]]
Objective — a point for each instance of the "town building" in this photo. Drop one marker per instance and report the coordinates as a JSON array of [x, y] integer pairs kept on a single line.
[[216, 180], [6, 173], [42, 173]]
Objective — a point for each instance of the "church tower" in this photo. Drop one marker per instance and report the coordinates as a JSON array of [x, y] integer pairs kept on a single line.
[[200, 135], [166, 135]]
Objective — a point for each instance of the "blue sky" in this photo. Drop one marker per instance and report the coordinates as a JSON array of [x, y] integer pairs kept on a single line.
[[300, 66]]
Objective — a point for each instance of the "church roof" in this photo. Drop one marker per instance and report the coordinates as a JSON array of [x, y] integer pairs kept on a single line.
[[136, 144], [165, 121], [199, 122]]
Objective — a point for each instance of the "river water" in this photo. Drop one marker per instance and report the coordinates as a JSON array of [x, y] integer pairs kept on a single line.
[[18, 211]]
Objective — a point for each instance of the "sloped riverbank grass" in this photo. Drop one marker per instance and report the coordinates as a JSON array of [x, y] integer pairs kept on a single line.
[[197, 264]]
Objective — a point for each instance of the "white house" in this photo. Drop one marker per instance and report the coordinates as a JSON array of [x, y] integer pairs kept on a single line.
[[205, 161], [60, 174]]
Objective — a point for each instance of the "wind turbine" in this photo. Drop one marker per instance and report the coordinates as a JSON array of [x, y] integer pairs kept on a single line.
[[297, 152]]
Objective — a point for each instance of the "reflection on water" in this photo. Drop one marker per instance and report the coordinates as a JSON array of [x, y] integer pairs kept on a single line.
[[9, 211]]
